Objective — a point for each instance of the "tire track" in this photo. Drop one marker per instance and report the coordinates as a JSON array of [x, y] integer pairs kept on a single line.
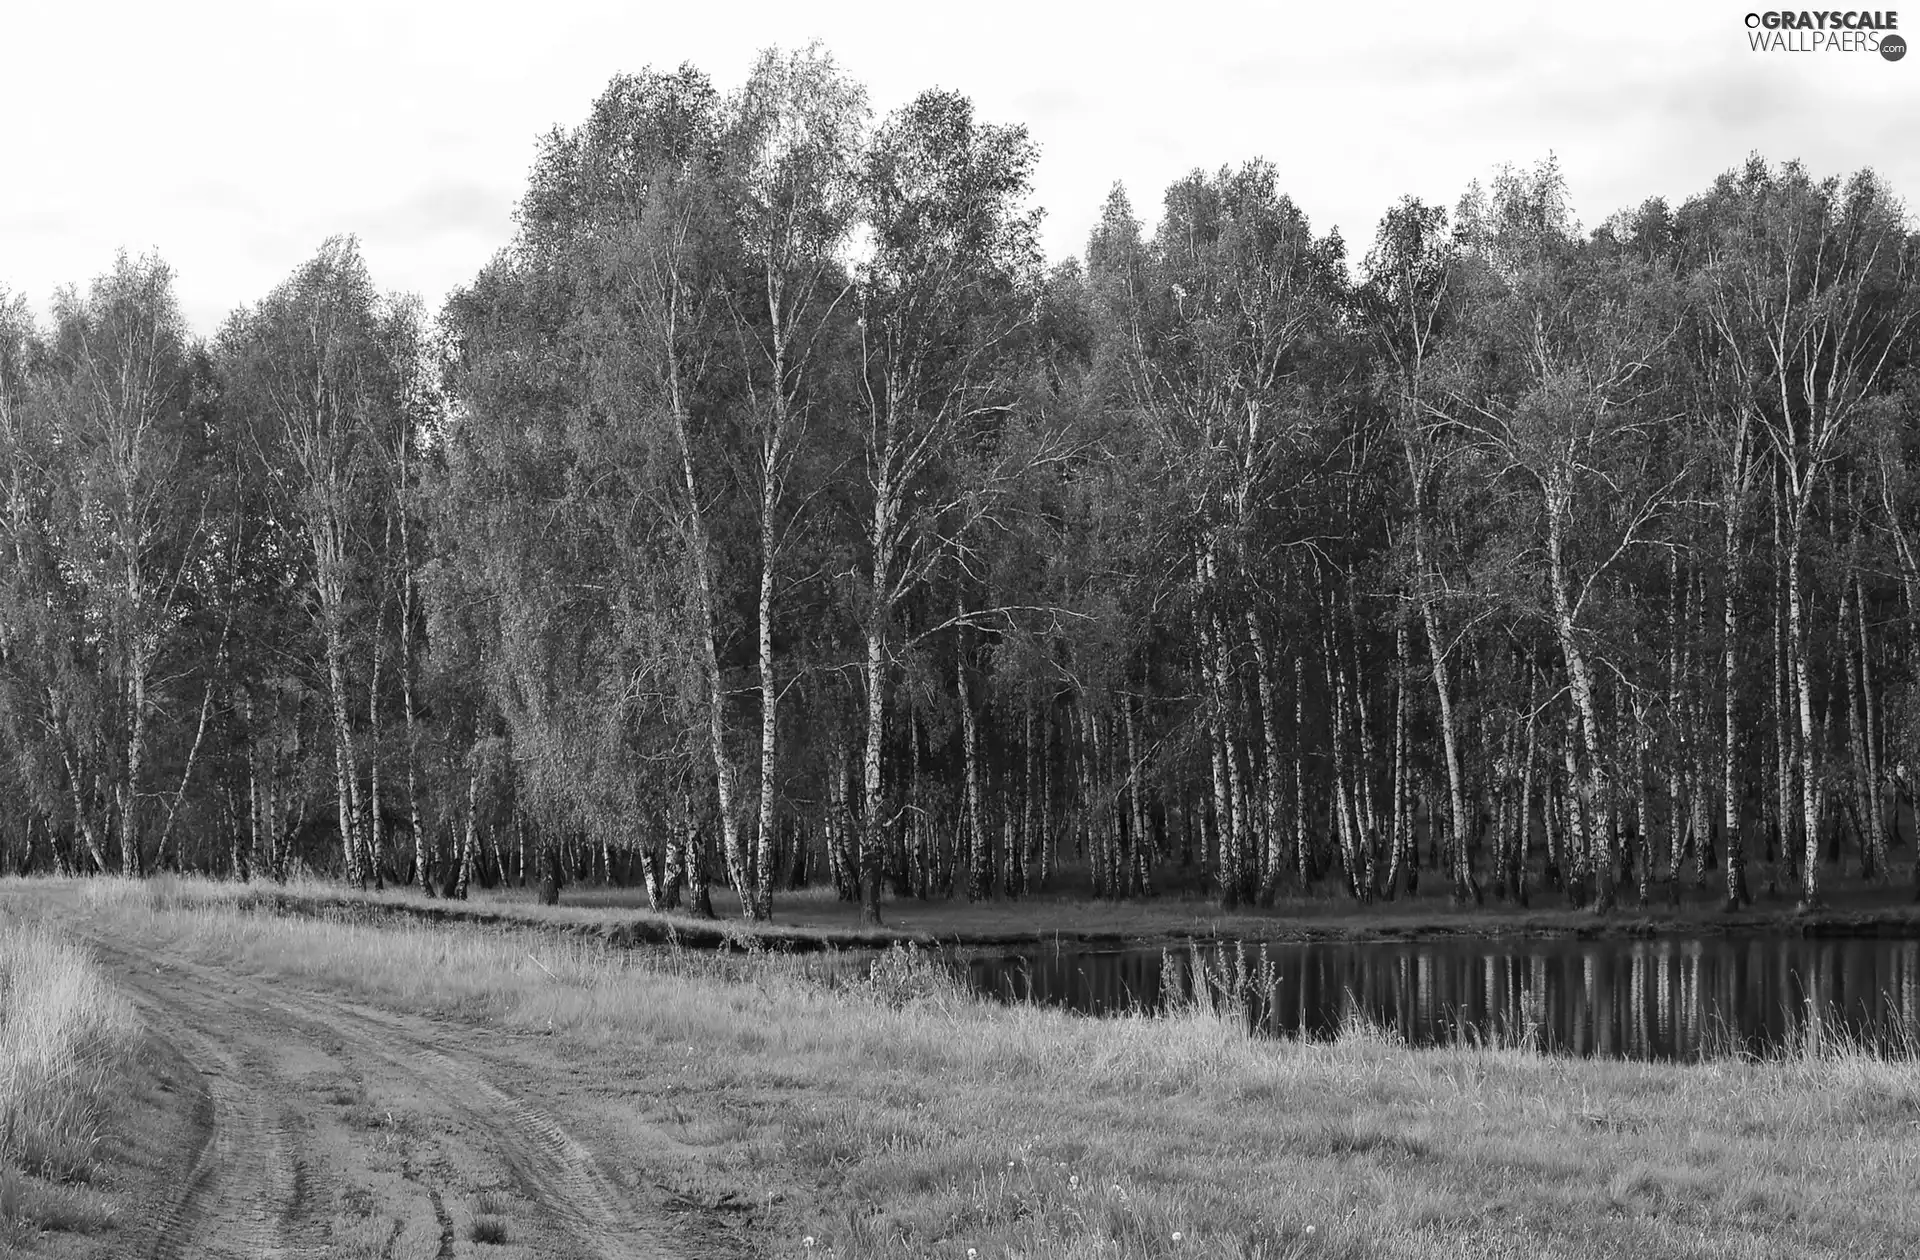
[[444, 1221], [553, 1166], [173, 1215], [243, 1185], [572, 1195], [598, 1206]]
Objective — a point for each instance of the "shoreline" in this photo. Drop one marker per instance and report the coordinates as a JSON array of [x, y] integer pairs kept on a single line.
[[1165, 925]]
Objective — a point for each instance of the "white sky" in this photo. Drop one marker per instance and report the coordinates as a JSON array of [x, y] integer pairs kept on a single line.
[[234, 137]]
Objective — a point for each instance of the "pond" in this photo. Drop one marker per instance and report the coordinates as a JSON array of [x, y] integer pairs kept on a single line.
[[1669, 998]]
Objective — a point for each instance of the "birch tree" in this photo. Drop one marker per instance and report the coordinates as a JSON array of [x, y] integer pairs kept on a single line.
[[130, 529], [952, 257], [1814, 293], [793, 142], [1566, 406], [1409, 299], [312, 365]]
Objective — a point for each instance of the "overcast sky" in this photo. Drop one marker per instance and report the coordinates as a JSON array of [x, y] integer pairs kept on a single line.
[[234, 137]]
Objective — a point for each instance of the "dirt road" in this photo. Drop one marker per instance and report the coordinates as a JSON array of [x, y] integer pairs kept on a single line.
[[323, 1127]]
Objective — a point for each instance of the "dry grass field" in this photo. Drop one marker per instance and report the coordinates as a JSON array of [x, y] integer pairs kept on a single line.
[[899, 1116]]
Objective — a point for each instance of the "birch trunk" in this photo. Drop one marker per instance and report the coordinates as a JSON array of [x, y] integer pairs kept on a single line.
[[1085, 829], [346, 777], [1402, 829], [467, 838], [1857, 738], [1463, 888], [1346, 824], [254, 802], [1365, 771], [1300, 845], [1556, 865], [1643, 809], [128, 789], [1271, 855], [1525, 838], [1031, 832], [376, 840], [406, 684], [1237, 785], [979, 860], [1786, 815], [872, 837], [82, 819], [699, 554], [1233, 828], [699, 870], [1679, 673], [1503, 812], [1579, 852], [1142, 855], [186, 774], [1803, 695], [1217, 751], [1870, 716], [769, 703], [1580, 683], [1049, 829], [1736, 856]]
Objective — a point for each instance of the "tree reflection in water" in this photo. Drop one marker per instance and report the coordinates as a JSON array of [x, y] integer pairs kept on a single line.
[[1646, 999]]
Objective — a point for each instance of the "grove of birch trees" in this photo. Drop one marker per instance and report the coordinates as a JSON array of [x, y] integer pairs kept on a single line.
[[770, 513]]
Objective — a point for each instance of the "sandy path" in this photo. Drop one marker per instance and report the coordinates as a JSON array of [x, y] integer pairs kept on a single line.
[[324, 1127]]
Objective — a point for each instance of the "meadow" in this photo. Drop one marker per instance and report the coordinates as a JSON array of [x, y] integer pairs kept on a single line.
[[893, 1114]]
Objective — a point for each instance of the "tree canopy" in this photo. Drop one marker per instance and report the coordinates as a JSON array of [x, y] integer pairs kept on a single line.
[[769, 512]]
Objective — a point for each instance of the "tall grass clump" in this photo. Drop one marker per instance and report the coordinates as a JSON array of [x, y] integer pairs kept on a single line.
[[67, 1044], [906, 976]]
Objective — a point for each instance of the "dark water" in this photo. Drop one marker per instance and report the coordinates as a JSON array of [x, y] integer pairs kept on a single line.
[[1634, 999]]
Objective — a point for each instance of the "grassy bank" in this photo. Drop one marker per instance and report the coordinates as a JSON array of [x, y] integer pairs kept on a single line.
[[67, 1045], [902, 1118]]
